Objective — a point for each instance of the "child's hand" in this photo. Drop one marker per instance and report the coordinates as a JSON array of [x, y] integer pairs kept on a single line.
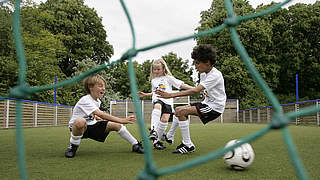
[[162, 94], [141, 94], [129, 120], [97, 117]]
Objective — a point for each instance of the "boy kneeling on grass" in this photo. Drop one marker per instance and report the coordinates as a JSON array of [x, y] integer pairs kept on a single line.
[[88, 121]]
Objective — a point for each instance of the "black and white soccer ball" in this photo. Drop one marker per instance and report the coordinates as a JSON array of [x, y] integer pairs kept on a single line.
[[239, 158]]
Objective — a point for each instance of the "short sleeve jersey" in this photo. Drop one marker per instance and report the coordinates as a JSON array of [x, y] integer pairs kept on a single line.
[[84, 109], [165, 84], [214, 90]]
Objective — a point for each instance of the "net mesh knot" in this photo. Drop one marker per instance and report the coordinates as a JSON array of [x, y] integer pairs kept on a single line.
[[20, 91], [232, 21], [147, 175], [279, 121], [130, 53]]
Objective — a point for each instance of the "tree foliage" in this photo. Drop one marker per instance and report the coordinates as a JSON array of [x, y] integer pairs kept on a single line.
[[280, 45], [296, 45], [56, 36], [41, 49], [80, 29]]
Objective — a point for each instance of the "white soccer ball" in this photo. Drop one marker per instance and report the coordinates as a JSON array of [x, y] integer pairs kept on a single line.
[[239, 158]]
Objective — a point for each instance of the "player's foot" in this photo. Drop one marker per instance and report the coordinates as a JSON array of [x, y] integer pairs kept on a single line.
[[71, 151], [183, 149], [138, 148], [169, 141], [158, 145], [153, 135]]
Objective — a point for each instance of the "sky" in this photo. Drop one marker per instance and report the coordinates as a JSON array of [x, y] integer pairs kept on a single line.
[[155, 21]]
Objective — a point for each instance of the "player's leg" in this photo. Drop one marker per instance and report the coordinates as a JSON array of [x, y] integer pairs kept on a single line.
[[155, 119], [182, 112], [78, 128], [169, 137], [125, 134], [161, 128]]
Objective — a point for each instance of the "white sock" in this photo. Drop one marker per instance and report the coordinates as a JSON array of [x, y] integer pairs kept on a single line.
[[162, 126], [155, 118], [185, 132], [173, 128], [75, 139], [125, 134]]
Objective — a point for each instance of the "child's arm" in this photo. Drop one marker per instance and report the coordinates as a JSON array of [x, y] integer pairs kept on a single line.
[[106, 116], [142, 94], [191, 91], [185, 86]]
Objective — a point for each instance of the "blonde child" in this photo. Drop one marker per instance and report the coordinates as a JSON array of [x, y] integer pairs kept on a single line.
[[88, 121], [161, 79]]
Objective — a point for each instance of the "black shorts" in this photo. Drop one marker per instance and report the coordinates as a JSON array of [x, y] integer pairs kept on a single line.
[[96, 131], [165, 108], [205, 112]]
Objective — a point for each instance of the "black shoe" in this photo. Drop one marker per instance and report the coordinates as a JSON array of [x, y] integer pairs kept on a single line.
[[71, 151], [138, 148], [169, 141], [180, 146], [158, 145], [183, 149], [153, 135]]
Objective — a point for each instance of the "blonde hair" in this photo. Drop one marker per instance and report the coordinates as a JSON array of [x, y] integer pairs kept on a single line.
[[164, 67], [91, 80]]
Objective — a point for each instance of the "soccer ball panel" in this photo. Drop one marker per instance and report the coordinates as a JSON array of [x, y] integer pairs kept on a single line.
[[239, 158]]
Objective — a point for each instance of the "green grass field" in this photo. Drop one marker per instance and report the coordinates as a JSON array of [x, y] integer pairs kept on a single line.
[[114, 160]]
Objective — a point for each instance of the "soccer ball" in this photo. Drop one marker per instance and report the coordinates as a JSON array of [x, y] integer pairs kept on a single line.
[[239, 158]]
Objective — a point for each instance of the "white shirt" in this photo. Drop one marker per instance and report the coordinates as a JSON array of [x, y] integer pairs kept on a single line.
[[165, 84], [84, 109], [214, 90]]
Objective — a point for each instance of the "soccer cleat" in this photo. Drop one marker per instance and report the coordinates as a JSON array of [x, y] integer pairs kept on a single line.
[[180, 146], [183, 149], [169, 141], [153, 135], [158, 145], [138, 148], [71, 151]]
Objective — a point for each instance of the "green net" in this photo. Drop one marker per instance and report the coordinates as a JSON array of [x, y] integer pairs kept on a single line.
[[279, 119]]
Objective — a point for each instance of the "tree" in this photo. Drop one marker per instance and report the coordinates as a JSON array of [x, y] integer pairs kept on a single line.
[[256, 36], [144, 75], [6, 42], [41, 49], [8, 67], [301, 52], [80, 29], [280, 44], [179, 68], [296, 46], [122, 82]]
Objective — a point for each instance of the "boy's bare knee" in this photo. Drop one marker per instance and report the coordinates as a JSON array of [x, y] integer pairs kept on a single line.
[[79, 126], [112, 126], [79, 123]]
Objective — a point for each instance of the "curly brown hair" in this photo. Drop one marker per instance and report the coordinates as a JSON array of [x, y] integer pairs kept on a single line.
[[204, 53]]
